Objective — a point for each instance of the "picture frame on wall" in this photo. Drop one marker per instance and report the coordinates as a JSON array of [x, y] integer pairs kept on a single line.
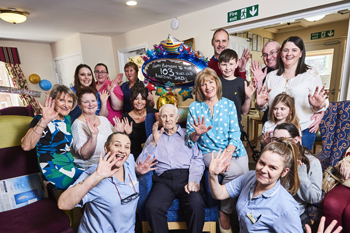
[[267, 40], [250, 38], [259, 44], [255, 42], [190, 42]]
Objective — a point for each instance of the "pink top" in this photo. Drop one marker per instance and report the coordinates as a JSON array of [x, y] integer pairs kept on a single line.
[[118, 92]]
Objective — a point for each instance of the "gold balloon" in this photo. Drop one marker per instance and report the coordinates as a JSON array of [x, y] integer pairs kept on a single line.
[[166, 99], [34, 78]]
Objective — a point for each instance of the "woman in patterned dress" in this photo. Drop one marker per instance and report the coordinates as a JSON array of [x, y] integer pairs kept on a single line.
[[51, 134]]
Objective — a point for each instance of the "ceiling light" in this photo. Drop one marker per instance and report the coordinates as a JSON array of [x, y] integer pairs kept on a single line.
[[315, 18], [12, 16], [131, 3]]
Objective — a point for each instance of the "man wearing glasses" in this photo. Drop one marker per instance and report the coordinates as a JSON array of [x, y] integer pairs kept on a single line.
[[178, 174], [116, 96], [270, 54]]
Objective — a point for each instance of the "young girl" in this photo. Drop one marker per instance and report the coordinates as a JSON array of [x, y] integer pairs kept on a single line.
[[263, 204], [309, 171], [282, 110]]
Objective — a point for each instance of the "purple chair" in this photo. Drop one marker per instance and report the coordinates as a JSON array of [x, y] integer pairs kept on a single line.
[[41, 216]]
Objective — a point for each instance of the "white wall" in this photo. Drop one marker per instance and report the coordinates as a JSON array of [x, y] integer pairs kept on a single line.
[[36, 58], [98, 49], [66, 46]]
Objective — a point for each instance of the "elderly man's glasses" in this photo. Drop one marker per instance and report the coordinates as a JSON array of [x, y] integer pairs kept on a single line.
[[100, 72], [266, 55], [128, 198]]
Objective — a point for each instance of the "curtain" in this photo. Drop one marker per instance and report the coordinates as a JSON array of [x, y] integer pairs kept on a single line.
[[19, 81], [9, 55]]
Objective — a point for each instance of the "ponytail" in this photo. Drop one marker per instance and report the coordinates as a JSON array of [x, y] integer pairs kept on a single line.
[[290, 152]]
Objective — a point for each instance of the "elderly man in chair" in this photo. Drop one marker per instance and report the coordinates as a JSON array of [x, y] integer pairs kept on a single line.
[[180, 169]]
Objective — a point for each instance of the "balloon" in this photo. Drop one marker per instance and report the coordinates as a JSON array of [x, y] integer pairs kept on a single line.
[[186, 94], [166, 99], [160, 91], [150, 87], [45, 84], [34, 78]]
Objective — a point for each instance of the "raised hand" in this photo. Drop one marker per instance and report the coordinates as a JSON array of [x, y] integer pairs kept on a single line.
[[118, 124], [119, 78], [321, 227], [318, 116], [218, 164], [200, 127], [104, 96], [249, 90], [258, 74], [155, 133], [318, 98], [48, 111], [345, 169], [192, 187], [143, 168], [262, 97], [265, 139], [149, 97], [228, 156], [92, 127], [127, 126], [105, 166], [244, 60]]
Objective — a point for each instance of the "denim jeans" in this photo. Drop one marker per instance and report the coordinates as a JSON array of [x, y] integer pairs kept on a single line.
[[308, 139]]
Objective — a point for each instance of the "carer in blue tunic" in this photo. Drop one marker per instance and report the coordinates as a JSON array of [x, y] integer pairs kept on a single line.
[[109, 190]]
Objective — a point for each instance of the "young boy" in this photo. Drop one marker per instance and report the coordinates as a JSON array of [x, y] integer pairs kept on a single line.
[[235, 88]]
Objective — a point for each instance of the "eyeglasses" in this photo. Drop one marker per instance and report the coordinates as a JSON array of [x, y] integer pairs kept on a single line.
[[128, 198], [100, 72], [266, 55], [274, 139]]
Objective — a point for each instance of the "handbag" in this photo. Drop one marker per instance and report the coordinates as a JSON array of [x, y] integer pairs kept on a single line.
[[331, 177]]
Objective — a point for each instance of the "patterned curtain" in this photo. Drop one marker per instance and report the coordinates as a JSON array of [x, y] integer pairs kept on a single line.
[[19, 81]]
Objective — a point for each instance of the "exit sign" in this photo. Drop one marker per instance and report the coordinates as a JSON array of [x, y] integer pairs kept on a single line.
[[321, 35], [244, 13]]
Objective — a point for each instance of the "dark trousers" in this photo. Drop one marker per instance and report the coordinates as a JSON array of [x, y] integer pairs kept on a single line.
[[167, 187]]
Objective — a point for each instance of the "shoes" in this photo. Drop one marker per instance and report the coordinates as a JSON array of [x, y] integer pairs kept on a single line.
[[222, 230]]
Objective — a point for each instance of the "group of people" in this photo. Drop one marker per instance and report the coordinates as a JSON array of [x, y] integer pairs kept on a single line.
[[107, 122]]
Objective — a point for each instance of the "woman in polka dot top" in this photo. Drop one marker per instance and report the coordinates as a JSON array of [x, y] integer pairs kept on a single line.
[[212, 122]]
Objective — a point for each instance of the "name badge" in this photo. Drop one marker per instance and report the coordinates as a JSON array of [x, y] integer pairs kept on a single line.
[[134, 181]]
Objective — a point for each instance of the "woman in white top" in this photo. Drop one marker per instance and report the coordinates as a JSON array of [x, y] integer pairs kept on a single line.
[[298, 80], [90, 131]]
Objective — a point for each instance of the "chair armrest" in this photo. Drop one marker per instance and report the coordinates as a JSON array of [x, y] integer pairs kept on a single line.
[[145, 186]]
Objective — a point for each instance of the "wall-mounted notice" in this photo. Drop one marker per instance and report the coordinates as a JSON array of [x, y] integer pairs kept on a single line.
[[244, 13], [321, 35]]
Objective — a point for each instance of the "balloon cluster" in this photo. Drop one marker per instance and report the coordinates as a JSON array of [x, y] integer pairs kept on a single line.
[[44, 84], [169, 62]]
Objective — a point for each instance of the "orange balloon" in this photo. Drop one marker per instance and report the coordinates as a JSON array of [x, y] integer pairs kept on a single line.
[[34, 78]]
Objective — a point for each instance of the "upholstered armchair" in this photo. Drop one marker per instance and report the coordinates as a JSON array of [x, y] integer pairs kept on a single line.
[[175, 215], [335, 131], [43, 215]]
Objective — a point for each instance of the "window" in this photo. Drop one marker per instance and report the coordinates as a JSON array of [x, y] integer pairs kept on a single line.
[[321, 60], [6, 99]]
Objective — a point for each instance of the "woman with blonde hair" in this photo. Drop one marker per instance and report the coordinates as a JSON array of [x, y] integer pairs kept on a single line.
[[212, 123], [263, 204]]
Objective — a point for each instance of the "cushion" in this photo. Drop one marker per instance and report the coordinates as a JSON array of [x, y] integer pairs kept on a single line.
[[40, 217], [13, 129]]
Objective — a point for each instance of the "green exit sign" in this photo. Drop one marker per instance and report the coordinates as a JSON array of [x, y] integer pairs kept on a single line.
[[321, 35], [244, 13]]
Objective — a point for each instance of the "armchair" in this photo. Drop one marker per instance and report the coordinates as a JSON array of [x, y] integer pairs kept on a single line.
[[335, 132], [41, 216]]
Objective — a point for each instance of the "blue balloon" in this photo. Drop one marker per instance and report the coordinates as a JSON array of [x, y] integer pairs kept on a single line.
[[45, 84]]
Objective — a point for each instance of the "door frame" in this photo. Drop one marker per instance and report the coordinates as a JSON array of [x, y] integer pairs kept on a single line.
[[338, 54], [345, 77], [122, 52]]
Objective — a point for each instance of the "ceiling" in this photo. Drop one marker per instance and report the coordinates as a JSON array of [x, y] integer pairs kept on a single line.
[[300, 24], [53, 20]]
